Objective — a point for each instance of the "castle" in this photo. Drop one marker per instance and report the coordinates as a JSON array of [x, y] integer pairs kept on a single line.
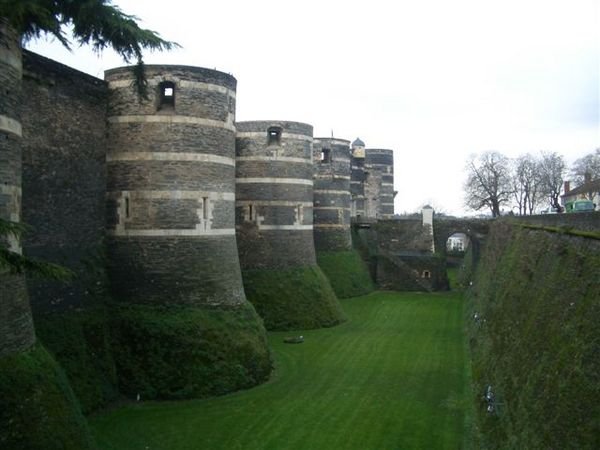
[[172, 215]]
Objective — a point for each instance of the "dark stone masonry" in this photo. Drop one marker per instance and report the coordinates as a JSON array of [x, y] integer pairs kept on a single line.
[[158, 206], [171, 188], [16, 327], [332, 200], [274, 195]]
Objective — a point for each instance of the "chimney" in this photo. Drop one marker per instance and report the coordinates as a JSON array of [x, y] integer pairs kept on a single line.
[[567, 187], [587, 177]]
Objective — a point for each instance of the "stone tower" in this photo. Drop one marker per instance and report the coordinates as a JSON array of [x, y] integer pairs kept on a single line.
[[32, 386], [171, 188], [274, 195], [170, 200], [16, 326], [357, 186], [274, 221], [379, 163], [332, 194]]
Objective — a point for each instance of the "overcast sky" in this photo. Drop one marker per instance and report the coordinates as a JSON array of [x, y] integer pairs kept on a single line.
[[433, 80]]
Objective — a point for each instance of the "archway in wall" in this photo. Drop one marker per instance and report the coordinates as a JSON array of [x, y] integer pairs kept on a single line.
[[457, 244], [447, 234]]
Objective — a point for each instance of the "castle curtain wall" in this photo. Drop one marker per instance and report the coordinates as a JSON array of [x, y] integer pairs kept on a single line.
[[64, 178], [64, 185]]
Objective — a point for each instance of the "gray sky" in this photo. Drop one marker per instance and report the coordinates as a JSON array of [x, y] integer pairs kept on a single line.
[[433, 80]]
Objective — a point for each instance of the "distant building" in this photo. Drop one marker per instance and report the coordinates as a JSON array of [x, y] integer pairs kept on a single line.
[[458, 242], [589, 190]]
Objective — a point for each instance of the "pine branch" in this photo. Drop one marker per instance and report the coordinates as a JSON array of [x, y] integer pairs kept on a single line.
[[15, 229], [14, 263], [95, 22]]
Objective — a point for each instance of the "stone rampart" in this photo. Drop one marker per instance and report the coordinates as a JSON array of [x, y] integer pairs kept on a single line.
[[584, 221]]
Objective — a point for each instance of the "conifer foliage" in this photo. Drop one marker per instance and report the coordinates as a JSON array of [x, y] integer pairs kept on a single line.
[[97, 23]]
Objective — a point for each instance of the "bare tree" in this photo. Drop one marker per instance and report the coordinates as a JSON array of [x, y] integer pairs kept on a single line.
[[589, 164], [488, 182], [552, 170], [526, 183]]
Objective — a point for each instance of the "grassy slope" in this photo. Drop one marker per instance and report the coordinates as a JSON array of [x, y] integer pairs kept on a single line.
[[79, 340], [347, 273], [293, 299], [181, 352], [538, 346], [393, 377], [38, 409]]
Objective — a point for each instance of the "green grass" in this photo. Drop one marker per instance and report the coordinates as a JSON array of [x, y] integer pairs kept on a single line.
[[38, 409], [454, 278], [293, 299], [395, 376], [537, 339], [347, 273], [178, 352], [79, 340]]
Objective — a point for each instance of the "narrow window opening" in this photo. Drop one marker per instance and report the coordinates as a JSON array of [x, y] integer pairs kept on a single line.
[[326, 155], [274, 136], [127, 207], [205, 208], [426, 274], [250, 213], [167, 95]]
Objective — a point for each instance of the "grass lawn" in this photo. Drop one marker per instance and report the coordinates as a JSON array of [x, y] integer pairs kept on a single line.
[[395, 376]]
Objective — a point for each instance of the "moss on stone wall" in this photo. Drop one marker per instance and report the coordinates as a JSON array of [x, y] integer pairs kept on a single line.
[[80, 341], [173, 352], [347, 273], [293, 299], [38, 409], [533, 321]]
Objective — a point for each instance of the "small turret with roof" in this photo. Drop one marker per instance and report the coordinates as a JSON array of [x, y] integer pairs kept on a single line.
[[358, 148]]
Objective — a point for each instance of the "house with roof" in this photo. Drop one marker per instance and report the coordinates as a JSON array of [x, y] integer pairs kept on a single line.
[[589, 190]]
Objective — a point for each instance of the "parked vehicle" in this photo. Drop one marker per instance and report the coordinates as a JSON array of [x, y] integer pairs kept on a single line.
[[550, 210], [579, 206]]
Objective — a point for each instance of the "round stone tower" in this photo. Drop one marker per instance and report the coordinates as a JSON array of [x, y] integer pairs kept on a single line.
[[332, 194], [170, 206], [16, 326], [380, 165], [274, 223], [171, 188], [274, 195], [357, 187], [38, 405]]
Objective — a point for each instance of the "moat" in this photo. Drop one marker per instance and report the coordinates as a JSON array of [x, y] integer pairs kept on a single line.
[[396, 375]]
